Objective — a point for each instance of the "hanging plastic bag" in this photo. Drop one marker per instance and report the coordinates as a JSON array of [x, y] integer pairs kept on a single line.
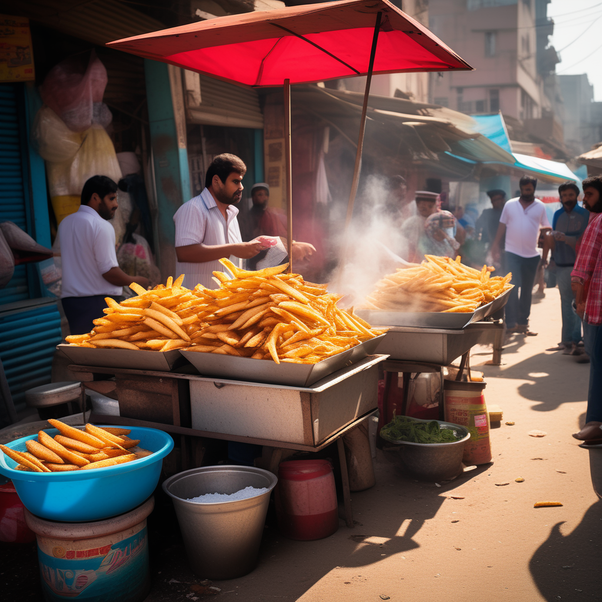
[[136, 259], [74, 89], [52, 139], [7, 262]]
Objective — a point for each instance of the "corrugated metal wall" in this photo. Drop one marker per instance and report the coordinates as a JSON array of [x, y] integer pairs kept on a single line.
[[12, 193], [28, 340]]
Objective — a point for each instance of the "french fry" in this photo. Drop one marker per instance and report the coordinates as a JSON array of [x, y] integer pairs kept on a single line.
[[35, 461], [59, 450], [117, 343], [73, 433], [108, 438], [20, 459], [61, 467], [42, 453], [114, 430], [75, 445], [110, 462]]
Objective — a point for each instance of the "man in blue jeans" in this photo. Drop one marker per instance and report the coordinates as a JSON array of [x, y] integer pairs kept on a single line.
[[568, 225], [521, 220]]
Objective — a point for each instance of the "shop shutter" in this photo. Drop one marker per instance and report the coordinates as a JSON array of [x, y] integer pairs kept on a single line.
[[12, 190], [28, 339], [226, 105]]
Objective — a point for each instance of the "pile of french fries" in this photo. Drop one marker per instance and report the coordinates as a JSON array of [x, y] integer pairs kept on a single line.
[[438, 284], [265, 314], [75, 449]]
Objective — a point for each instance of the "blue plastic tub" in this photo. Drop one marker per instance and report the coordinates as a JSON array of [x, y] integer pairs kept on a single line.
[[89, 495]]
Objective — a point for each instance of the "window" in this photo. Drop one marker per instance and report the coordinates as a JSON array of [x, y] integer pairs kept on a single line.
[[479, 106], [490, 39], [494, 101]]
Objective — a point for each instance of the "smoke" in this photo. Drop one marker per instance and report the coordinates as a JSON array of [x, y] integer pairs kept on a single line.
[[372, 246]]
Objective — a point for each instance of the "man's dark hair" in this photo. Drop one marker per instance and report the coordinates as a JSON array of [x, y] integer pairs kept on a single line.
[[594, 182], [101, 185], [496, 192], [222, 166], [569, 186], [527, 180]]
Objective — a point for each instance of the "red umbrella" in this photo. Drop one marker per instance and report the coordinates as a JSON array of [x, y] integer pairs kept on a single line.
[[302, 44]]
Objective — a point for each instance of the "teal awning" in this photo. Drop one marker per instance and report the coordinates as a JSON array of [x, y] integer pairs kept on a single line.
[[494, 128]]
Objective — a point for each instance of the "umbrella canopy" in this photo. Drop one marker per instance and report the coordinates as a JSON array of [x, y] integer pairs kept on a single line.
[[303, 44]]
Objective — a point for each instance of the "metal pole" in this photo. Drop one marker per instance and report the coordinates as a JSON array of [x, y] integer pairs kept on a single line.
[[289, 172], [360, 143]]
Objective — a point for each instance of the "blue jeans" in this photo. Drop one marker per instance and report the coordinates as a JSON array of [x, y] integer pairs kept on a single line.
[[571, 323], [593, 347], [523, 271]]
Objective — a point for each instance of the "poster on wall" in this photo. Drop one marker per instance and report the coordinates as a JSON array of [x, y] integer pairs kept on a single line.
[[16, 52]]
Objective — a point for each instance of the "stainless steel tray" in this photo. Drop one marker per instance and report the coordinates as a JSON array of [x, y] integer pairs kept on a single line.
[[123, 358], [447, 321], [266, 371], [436, 346]]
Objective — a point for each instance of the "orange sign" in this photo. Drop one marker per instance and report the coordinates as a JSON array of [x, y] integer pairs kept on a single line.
[[16, 53]]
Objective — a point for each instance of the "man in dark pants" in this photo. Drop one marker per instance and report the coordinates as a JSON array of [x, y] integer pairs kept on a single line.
[[520, 222], [89, 262], [586, 279]]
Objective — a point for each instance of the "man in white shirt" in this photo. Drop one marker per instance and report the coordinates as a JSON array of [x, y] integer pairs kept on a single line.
[[206, 226], [89, 262], [521, 220]]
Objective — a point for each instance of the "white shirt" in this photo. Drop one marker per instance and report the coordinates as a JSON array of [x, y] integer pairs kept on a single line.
[[87, 252], [522, 226], [200, 221]]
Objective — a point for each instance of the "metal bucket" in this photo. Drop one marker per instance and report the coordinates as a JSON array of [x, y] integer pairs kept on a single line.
[[221, 539]]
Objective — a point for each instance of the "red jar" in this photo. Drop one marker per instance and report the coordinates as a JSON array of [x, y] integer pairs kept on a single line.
[[13, 528], [306, 500]]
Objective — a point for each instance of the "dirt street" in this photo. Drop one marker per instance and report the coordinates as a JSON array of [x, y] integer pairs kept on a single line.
[[414, 541], [477, 537]]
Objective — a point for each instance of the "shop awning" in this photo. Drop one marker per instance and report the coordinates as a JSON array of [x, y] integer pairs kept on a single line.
[[494, 128]]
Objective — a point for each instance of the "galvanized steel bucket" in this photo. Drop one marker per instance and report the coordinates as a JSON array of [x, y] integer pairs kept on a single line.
[[222, 539]]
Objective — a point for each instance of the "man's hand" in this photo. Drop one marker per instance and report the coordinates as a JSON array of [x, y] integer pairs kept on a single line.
[[302, 251], [142, 281], [560, 236], [246, 250]]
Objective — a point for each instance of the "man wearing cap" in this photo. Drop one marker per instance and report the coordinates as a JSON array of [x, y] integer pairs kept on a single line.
[[520, 223], [413, 228], [260, 220], [488, 223]]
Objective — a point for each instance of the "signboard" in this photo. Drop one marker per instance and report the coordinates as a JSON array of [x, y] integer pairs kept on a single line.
[[16, 52]]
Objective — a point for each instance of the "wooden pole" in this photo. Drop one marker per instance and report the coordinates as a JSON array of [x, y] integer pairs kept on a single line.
[[289, 172], [360, 143]]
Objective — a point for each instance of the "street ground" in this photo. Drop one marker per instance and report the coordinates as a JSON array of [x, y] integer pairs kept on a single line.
[[477, 537]]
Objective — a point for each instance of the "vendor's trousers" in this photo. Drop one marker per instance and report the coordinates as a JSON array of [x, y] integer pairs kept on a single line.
[[571, 322], [523, 271], [82, 311], [593, 347]]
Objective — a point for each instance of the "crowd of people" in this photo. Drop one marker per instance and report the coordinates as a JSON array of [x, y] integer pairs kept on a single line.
[[207, 229]]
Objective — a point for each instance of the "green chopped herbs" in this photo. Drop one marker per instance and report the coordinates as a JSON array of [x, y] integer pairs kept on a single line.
[[402, 428]]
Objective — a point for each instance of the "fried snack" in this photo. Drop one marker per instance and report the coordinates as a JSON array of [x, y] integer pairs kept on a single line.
[[63, 453], [438, 284], [59, 450], [110, 462], [42, 453], [263, 314], [73, 433], [19, 458]]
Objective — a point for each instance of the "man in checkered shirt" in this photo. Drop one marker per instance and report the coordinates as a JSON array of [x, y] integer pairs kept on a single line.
[[586, 282]]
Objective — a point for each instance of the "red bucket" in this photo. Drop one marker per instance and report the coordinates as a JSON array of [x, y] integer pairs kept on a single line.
[[306, 500], [13, 528]]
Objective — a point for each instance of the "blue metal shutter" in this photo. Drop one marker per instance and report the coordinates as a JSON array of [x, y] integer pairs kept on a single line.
[[27, 344], [12, 190]]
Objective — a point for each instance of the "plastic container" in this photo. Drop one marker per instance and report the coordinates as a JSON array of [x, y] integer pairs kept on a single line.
[[95, 562], [87, 495], [465, 405], [306, 500], [13, 528], [222, 539]]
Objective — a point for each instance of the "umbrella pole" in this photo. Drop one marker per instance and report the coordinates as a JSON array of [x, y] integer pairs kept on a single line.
[[289, 174], [360, 142]]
